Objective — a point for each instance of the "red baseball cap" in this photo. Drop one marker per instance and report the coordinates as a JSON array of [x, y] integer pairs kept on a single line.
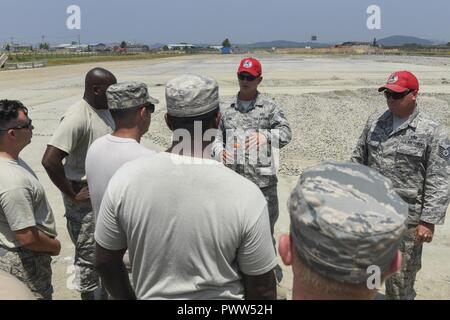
[[401, 81], [251, 66]]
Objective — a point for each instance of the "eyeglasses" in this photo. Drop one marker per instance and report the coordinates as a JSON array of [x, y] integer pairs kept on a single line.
[[25, 126], [396, 95], [248, 77]]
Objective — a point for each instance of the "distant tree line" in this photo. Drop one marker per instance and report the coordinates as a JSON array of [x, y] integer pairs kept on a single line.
[[226, 43]]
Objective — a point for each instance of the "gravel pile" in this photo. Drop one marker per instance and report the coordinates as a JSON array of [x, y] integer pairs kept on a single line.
[[325, 126]]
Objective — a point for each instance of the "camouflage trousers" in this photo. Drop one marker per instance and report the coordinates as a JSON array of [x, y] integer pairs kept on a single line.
[[81, 227], [400, 286], [271, 195], [31, 268]]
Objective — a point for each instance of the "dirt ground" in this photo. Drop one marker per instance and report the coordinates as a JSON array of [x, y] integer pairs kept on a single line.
[[326, 98]]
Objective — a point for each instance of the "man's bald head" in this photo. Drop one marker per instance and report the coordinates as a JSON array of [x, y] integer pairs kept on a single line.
[[97, 82], [99, 76]]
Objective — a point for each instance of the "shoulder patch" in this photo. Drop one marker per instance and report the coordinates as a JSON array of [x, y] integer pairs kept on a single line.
[[444, 153]]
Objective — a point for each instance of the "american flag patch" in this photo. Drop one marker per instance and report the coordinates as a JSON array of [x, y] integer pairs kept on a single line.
[[444, 153]]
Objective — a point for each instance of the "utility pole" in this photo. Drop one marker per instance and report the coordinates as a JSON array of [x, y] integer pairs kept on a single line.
[[79, 39]]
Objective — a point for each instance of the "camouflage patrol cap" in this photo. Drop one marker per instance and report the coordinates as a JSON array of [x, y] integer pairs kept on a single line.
[[191, 95], [345, 218], [127, 95]]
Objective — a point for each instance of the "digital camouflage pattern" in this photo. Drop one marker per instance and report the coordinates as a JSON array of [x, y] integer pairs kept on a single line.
[[81, 227], [191, 95], [258, 165], [266, 117], [416, 159], [31, 268], [127, 95], [344, 218], [271, 195], [400, 286]]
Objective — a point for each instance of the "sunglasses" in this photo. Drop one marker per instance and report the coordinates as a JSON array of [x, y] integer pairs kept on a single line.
[[396, 95], [25, 126], [150, 107], [247, 77]]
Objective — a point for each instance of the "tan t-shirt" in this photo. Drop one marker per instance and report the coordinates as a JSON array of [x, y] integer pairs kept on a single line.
[[192, 227], [80, 126], [23, 202]]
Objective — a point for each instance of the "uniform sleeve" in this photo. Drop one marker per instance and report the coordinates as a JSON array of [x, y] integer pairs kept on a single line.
[[108, 231], [437, 181], [17, 205], [256, 254], [218, 145], [71, 130], [280, 129], [360, 153]]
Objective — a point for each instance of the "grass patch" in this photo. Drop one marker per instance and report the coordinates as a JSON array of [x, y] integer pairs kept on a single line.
[[66, 59]]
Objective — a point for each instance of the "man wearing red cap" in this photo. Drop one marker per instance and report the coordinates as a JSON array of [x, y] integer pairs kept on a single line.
[[411, 149], [252, 130]]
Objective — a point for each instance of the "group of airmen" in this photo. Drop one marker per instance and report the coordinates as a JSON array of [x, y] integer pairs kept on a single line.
[[195, 222]]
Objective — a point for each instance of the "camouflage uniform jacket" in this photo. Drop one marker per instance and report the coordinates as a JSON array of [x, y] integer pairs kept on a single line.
[[266, 116], [416, 157]]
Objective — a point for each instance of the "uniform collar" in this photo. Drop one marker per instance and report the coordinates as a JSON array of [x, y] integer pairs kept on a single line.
[[388, 119], [258, 100], [414, 118]]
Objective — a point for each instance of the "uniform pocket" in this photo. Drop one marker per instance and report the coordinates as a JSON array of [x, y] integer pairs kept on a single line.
[[229, 123], [261, 121], [373, 147], [25, 267], [410, 151], [409, 162]]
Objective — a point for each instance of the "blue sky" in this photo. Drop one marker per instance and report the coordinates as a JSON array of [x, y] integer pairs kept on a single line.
[[211, 21]]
